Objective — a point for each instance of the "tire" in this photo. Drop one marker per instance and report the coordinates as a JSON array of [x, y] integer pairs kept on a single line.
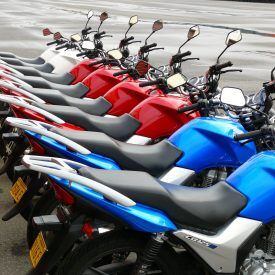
[[100, 251], [44, 206]]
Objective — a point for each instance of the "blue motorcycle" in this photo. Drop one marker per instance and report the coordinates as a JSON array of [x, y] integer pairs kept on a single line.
[[165, 228]]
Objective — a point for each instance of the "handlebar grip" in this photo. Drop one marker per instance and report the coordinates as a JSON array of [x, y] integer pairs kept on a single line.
[[147, 47], [181, 55], [248, 135], [101, 33], [82, 53], [129, 39], [97, 62], [149, 83], [61, 47], [122, 72], [189, 108], [51, 43], [219, 67]]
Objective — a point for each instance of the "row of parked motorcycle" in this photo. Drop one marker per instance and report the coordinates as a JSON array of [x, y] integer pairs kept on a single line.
[[122, 167]]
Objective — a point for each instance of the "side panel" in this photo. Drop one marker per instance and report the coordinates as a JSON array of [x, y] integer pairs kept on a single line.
[[256, 180], [159, 115], [101, 81], [82, 70], [59, 150], [139, 217], [209, 142], [125, 96]]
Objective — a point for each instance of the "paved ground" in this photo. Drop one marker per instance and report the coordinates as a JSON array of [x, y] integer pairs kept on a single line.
[[22, 21]]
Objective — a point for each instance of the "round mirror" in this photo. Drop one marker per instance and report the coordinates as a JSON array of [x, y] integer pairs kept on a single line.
[[88, 45], [133, 20], [193, 32], [57, 36], [76, 37], [176, 80], [233, 97], [142, 67], [90, 14], [115, 54], [233, 37], [103, 16], [158, 25]]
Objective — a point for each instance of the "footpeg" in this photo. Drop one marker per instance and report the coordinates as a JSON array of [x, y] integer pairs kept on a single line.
[[47, 223]]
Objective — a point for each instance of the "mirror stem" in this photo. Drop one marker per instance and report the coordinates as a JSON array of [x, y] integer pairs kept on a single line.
[[127, 31], [149, 37], [179, 50], [222, 53], [99, 26]]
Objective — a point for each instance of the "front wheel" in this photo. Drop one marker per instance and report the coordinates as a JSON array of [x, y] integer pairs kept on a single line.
[[117, 253]]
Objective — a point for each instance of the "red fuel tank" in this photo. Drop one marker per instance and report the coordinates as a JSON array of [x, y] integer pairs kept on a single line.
[[159, 115]]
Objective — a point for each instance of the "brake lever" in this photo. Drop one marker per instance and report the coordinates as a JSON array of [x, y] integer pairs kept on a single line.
[[161, 48], [191, 58], [230, 71], [138, 41], [107, 35]]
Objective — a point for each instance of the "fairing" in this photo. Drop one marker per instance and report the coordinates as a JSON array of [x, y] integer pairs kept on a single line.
[[256, 180], [209, 142]]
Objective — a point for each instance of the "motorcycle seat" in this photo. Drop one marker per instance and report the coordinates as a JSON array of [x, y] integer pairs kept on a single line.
[[121, 128], [30, 69], [98, 106], [78, 90], [154, 159], [202, 208], [23, 61], [46, 79]]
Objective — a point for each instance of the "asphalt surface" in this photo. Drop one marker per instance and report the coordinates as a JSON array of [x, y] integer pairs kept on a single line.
[[20, 32]]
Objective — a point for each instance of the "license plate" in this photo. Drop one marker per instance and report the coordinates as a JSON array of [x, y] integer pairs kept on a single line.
[[18, 190], [38, 249]]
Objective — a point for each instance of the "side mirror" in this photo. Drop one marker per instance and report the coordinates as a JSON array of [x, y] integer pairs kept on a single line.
[[233, 38], [88, 45], [103, 16], [176, 80], [115, 54], [57, 36], [233, 97], [142, 67], [133, 20], [75, 37], [46, 32], [158, 25], [90, 14], [193, 32]]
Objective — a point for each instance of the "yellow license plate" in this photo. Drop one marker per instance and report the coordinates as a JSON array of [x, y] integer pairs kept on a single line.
[[38, 249], [18, 190]]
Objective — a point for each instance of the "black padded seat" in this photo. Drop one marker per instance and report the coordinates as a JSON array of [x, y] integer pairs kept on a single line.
[[203, 208], [120, 128], [8, 54], [23, 61], [78, 90], [154, 159], [46, 67], [98, 106], [46, 79]]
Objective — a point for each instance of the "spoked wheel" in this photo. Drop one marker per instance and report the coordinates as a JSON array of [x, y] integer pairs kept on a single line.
[[117, 253]]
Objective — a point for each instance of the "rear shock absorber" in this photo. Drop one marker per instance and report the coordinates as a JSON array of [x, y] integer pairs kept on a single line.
[[151, 251], [271, 241]]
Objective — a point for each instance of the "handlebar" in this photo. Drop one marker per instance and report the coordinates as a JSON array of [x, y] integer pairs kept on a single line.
[[52, 43], [98, 62], [126, 40], [145, 48], [122, 72], [218, 67], [179, 56], [189, 108], [82, 53], [61, 47], [266, 130], [149, 83]]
